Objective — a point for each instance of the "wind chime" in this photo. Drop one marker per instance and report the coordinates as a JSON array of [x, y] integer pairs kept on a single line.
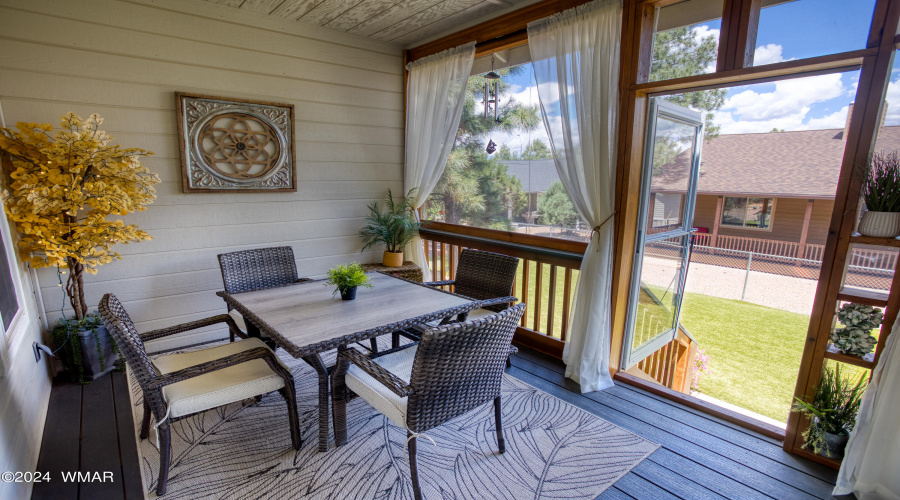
[[492, 101]]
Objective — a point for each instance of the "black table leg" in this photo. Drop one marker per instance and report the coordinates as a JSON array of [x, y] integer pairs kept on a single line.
[[339, 394], [315, 361]]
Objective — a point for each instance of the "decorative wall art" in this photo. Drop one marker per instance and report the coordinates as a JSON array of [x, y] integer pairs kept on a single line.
[[235, 145]]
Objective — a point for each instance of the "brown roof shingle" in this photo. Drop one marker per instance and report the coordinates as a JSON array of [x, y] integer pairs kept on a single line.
[[801, 164]]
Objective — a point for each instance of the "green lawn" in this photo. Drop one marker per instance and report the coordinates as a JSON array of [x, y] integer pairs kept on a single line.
[[754, 351]]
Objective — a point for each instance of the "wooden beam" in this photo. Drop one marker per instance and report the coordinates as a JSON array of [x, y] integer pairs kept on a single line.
[[720, 202], [745, 45], [804, 233], [728, 35], [864, 123], [509, 27], [636, 22], [831, 63]]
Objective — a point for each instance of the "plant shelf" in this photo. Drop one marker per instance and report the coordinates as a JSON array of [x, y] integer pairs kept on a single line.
[[862, 296], [851, 360], [872, 240]]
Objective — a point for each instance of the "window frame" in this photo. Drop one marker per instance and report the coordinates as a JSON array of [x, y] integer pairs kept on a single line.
[[13, 337], [768, 228]]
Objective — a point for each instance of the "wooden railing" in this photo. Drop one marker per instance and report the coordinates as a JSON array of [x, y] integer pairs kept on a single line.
[[546, 280], [671, 365]]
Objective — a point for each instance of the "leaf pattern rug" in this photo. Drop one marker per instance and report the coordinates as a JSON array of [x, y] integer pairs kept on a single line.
[[553, 451]]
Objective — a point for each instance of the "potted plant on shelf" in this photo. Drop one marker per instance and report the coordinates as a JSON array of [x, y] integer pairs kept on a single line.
[[855, 337], [60, 191], [347, 278], [881, 192], [395, 227], [832, 412]]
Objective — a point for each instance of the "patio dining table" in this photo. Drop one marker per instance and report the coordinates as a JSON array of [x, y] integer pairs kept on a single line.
[[306, 320]]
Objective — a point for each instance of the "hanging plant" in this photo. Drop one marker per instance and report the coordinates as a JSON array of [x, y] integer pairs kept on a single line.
[[855, 337]]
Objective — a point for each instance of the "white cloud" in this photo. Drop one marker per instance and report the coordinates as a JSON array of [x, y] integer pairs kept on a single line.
[[701, 32], [768, 54], [835, 120], [893, 103], [786, 107]]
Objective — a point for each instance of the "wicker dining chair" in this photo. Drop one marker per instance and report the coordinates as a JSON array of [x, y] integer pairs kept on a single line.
[[454, 369], [480, 275], [257, 269], [176, 386]]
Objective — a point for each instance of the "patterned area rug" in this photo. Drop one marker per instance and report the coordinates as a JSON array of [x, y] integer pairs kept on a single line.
[[553, 451]]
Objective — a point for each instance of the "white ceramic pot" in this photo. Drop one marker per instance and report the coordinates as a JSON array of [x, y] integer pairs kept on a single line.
[[879, 224]]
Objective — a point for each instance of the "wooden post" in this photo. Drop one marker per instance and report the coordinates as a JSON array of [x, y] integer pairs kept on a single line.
[[804, 233], [713, 240], [651, 210]]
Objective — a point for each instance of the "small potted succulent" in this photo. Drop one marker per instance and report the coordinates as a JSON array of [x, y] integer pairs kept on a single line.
[[347, 278], [395, 227], [832, 412], [859, 320], [881, 192]]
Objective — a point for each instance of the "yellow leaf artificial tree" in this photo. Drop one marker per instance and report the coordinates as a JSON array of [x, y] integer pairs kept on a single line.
[[62, 188]]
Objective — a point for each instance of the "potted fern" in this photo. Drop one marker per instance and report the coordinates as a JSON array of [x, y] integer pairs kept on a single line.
[[62, 192], [881, 192], [832, 412], [346, 279], [395, 227]]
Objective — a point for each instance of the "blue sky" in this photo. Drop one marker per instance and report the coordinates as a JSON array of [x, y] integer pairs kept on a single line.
[[793, 30]]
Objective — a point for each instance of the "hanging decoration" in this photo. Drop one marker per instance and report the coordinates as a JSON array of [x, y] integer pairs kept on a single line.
[[491, 147], [492, 94]]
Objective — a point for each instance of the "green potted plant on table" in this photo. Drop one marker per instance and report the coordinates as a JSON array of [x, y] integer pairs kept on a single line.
[[832, 412], [347, 278], [395, 227], [881, 192], [59, 192]]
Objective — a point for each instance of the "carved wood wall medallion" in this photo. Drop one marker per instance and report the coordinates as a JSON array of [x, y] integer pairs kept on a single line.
[[235, 145]]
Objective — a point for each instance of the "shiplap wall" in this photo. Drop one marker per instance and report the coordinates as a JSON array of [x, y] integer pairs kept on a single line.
[[125, 59]]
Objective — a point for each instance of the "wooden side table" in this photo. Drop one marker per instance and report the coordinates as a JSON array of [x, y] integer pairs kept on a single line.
[[408, 270]]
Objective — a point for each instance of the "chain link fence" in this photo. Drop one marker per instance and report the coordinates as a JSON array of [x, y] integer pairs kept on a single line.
[[872, 269]]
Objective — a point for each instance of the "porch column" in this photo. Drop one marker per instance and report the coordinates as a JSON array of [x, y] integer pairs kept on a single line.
[[720, 201], [801, 247], [651, 211]]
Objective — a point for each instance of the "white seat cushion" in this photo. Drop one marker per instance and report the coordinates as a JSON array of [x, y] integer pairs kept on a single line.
[[236, 316], [375, 393], [221, 387]]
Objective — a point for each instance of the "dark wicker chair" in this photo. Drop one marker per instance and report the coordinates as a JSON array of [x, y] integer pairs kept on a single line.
[[176, 386], [480, 275], [454, 369], [257, 269]]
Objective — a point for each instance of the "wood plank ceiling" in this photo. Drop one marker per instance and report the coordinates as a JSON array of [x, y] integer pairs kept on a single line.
[[403, 22]]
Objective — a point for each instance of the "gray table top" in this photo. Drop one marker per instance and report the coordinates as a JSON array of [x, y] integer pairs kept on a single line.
[[305, 318]]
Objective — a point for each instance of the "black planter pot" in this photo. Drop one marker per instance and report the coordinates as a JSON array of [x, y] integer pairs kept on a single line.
[[835, 445], [349, 293], [92, 346]]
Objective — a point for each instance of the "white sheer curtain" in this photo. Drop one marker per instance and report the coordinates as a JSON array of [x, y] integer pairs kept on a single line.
[[871, 466], [576, 64], [435, 94]]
